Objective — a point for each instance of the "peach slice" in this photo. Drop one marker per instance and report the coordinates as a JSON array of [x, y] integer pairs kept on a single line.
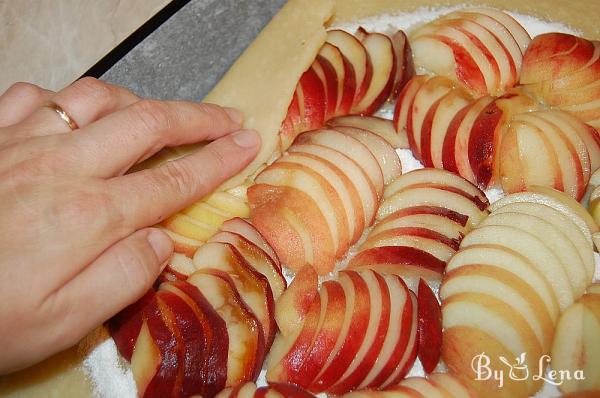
[[375, 333], [557, 200], [350, 147], [455, 153], [532, 248], [424, 387], [402, 318], [482, 279], [389, 257], [325, 336], [405, 68], [182, 244], [452, 384], [571, 168], [214, 329], [312, 99], [340, 183], [436, 124], [257, 258], [293, 225], [420, 177], [384, 153], [436, 223], [499, 324], [423, 239], [513, 267], [290, 351], [382, 127], [346, 80], [403, 110], [352, 330], [185, 326], [329, 78], [538, 160], [288, 237], [293, 305], [247, 342], [430, 327], [189, 227], [429, 93], [431, 196], [559, 221], [500, 31], [357, 56], [362, 186], [566, 122], [514, 27], [252, 286], [247, 231], [383, 60], [302, 178], [556, 240], [451, 215]]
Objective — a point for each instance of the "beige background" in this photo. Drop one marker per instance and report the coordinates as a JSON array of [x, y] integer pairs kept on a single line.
[[52, 42]]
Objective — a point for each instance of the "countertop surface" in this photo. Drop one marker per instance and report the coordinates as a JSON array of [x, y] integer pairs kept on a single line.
[[188, 54]]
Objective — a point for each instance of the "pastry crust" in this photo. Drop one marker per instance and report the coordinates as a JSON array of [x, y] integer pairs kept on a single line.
[[261, 83]]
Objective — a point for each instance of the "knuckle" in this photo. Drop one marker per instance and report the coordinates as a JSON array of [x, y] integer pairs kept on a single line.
[[23, 89], [137, 263], [92, 87], [179, 178], [152, 116]]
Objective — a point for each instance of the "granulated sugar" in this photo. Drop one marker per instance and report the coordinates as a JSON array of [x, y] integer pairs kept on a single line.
[[111, 378]]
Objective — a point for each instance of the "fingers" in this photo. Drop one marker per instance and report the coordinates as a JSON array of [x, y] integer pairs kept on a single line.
[[142, 129], [149, 196], [117, 278], [19, 101], [85, 101]]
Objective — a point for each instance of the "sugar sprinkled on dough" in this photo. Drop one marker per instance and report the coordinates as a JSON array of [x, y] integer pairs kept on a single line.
[[103, 365]]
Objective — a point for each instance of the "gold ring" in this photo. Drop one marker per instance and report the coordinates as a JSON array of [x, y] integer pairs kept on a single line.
[[63, 115]]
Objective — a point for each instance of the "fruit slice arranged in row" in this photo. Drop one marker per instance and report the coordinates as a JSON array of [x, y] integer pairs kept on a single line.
[[358, 331], [504, 290], [480, 48], [351, 74], [563, 71], [436, 385], [211, 324], [446, 128], [576, 347], [272, 390], [315, 201], [194, 225], [424, 215], [549, 148]]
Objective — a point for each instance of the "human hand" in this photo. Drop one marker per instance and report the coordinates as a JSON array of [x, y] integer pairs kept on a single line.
[[74, 236]]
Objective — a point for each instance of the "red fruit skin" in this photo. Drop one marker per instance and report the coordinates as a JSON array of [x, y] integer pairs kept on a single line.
[[400, 255], [190, 339], [481, 144], [286, 390], [354, 339], [426, 157], [125, 327], [429, 327], [330, 86], [164, 381], [313, 90], [440, 211], [448, 148], [214, 365], [405, 67], [357, 376], [420, 232]]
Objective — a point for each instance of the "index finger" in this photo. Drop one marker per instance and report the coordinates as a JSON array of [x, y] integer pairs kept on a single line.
[[149, 196]]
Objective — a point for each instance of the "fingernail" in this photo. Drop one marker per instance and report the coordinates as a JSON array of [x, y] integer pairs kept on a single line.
[[235, 115], [246, 138], [161, 244]]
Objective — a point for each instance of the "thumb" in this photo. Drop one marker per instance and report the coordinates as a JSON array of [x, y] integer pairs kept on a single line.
[[120, 276]]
